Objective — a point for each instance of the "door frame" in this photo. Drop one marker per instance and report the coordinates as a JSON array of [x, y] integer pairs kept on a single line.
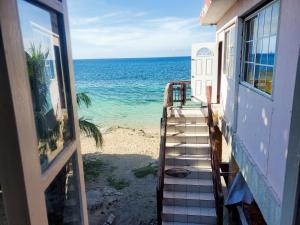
[[21, 179], [219, 80]]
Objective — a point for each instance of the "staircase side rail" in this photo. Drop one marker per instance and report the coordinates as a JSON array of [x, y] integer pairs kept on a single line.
[[215, 161]]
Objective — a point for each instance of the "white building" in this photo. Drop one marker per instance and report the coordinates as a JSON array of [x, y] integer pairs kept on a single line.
[[259, 83]]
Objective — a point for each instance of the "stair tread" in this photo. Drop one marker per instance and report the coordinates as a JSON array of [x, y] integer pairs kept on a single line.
[[188, 156], [178, 223], [187, 145], [206, 196], [187, 181], [189, 210], [195, 134], [198, 168], [187, 124]]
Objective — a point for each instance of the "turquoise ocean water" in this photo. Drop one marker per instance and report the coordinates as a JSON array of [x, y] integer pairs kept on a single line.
[[128, 92]]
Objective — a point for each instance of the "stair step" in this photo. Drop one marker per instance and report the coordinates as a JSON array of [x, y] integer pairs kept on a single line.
[[188, 160], [187, 184], [186, 119], [189, 214], [187, 145], [188, 150], [189, 112], [187, 128], [197, 172], [194, 199], [180, 134], [178, 223], [188, 138]]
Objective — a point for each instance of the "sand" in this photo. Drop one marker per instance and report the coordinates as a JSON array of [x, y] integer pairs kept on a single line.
[[124, 150]]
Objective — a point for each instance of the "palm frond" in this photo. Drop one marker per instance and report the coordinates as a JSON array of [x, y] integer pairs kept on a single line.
[[83, 98], [91, 130]]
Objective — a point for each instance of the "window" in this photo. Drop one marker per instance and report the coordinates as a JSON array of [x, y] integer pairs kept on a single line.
[[259, 45], [41, 42], [62, 197], [228, 52]]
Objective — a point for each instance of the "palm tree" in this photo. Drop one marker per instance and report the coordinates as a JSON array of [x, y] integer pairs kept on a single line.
[[39, 83], [86, 126]]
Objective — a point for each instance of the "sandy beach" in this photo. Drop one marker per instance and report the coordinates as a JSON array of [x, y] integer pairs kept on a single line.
[[112, 187]]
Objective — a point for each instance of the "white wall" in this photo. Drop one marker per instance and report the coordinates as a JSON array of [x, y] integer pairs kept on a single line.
[[228, 81], [263, 122]]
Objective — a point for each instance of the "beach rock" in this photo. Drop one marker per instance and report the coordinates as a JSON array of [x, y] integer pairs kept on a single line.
[[177, 172], [94, 199], [110, 219]]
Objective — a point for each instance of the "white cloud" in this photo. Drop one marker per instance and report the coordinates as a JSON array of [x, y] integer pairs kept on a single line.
[[126, 34]]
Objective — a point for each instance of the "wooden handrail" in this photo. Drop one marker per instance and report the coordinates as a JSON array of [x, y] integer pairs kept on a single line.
[[169, 100], [215, 162]]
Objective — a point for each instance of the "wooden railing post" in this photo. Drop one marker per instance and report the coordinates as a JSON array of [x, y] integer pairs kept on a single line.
[[215, 162]]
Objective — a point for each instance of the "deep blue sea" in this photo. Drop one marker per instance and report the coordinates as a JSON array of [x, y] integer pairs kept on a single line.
[[128, 92]]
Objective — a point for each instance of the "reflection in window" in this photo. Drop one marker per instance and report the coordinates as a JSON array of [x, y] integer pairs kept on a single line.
[[3, 218], [229, 52], [62, 197], [259, 43], [42, 48]]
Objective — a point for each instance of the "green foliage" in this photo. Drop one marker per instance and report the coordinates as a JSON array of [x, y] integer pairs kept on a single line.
[[39, 83], [151, 168], [83, 98], [91, 130], [92, 168], [86, 126], [118, 184]]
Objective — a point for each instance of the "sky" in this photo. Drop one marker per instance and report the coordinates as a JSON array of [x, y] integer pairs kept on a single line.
[[136, 28]]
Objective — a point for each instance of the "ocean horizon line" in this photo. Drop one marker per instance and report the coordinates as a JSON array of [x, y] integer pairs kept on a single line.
[[154, 57]]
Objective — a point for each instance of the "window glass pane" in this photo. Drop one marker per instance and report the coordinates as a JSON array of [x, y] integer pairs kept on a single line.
[[3, 218], [229, 51], [226, 53], [275, 16], [62, 197], [264, 51], [272, 48], [42, 48], [249, 52], [261, 21], [259, 50], [268, 17], [260, 78], [249, 69], [255, 27], [269, 79]]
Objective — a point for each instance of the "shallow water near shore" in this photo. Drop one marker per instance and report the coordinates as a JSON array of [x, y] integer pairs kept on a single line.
[[128, 92]]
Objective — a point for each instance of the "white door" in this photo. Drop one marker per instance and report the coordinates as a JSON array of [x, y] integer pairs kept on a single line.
[[204, 71]]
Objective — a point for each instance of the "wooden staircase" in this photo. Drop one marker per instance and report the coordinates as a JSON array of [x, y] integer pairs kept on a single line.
[[188, 200]]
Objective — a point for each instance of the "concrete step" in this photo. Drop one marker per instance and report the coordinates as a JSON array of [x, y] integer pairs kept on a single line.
[[186, 184], [196, 138], [195, 199], [178, 223], [188, 160], [186, 119], [189, 112], [187, 128], [186, 214], [196, 172], [178, 148]]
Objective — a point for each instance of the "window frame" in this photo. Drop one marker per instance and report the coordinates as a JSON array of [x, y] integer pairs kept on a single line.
[[230, 30], [26, 192], [242, 80]]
